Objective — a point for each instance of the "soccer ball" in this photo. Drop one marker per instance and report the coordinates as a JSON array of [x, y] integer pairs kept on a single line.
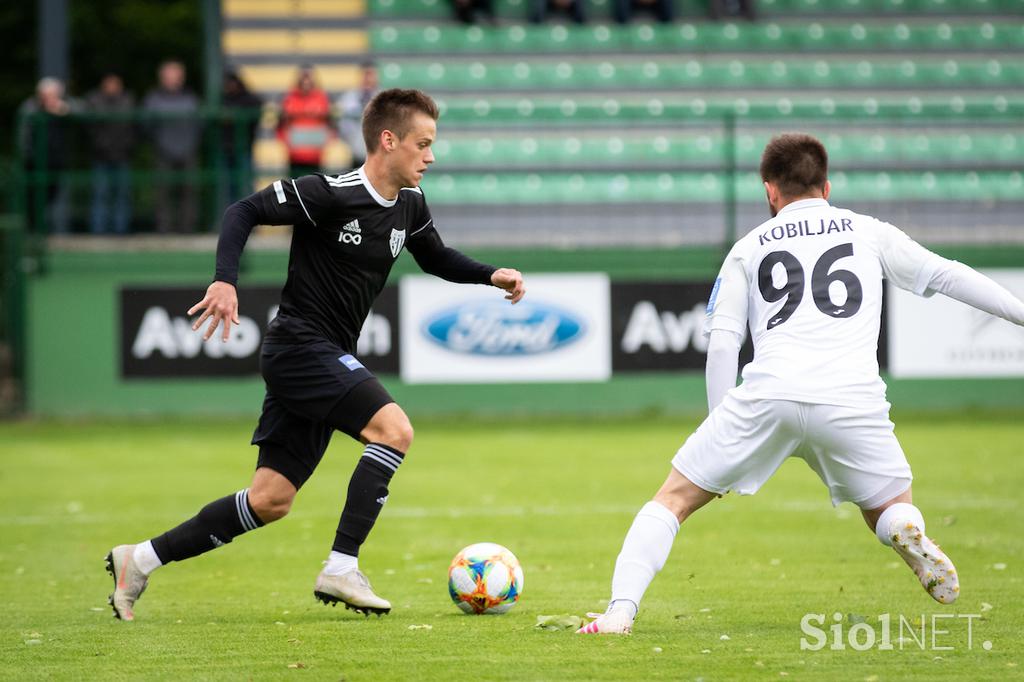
[[485, 578]]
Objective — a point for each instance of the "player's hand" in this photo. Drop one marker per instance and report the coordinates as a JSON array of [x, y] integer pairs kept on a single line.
[[511, 281], [220, 305]]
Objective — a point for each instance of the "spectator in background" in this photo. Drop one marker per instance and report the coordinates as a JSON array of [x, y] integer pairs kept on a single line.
[[350, 113], [241, 116], [305, 124], [468, 11], [724, 9], [43, 141], [113, 139], [574, 8], [175, 132], [663, 10]]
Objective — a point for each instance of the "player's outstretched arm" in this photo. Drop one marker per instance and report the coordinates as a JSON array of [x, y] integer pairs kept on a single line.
[[967, 285], [910, 266], [511, 281], [220, 305], [434, 258]]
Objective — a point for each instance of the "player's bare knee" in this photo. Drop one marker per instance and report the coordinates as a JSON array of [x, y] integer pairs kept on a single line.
[[681, 496], [675, 503], [392, 429], [271, 505], [398, 435]]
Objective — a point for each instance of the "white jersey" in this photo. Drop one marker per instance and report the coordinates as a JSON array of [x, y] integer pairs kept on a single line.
[[808, 283]]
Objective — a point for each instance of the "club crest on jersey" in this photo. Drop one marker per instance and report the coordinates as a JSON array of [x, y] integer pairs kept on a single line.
[[397, 240]]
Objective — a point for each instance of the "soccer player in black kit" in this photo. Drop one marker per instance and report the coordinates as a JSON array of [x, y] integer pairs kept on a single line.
[[349, 230]]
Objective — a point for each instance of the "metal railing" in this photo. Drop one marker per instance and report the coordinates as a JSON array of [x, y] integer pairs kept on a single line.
[[709, 197], [68, 183]]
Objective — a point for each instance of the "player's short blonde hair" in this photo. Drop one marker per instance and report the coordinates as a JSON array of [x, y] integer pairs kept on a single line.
[[796, 163], [392, 110]]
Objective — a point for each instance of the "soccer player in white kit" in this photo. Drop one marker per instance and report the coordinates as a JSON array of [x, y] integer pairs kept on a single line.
[[808, 285]]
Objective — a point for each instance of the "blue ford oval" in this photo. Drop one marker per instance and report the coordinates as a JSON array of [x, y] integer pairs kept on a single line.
[[495, 328]]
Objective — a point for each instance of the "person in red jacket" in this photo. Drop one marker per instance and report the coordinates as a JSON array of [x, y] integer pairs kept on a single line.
[[305, 123]]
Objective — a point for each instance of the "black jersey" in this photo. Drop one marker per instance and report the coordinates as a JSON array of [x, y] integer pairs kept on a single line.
[[345, 241]]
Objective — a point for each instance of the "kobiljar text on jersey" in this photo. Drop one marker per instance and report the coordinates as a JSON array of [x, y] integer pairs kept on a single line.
[[804, 229]]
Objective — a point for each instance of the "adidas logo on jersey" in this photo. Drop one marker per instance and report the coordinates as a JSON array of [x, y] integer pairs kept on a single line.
[[382, 500], [351, 234]]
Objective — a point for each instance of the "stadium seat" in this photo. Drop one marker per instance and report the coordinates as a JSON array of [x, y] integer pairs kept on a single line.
[[709, 187], [824, 36], [666, 73], [917, 100], [707, 147], [516, 9]]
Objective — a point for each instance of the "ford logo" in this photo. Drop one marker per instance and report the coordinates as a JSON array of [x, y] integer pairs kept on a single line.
[[496, 328]]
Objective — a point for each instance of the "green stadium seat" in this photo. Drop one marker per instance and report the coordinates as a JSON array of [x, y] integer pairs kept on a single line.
[[709, 187], [824, 35], [516, 9], [569, 109], [707, 146], [664, 73]]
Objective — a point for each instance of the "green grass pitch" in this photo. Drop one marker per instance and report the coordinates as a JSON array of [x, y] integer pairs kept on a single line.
[[728, 605]]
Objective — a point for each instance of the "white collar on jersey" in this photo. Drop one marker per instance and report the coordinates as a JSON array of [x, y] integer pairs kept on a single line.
[[386, 203], [803, 203]]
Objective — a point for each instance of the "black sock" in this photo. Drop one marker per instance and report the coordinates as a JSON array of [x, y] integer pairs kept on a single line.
[[216, 524], [367, 493]]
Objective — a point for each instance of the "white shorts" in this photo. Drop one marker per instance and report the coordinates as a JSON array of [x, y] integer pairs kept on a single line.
[[745, 440]]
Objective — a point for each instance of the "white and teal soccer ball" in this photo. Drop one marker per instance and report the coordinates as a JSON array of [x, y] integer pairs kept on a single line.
[[485, 578]]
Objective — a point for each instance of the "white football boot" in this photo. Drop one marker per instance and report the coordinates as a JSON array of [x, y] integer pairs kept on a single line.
[[931, 565], [351, 589], [617, 620], [129, 581]]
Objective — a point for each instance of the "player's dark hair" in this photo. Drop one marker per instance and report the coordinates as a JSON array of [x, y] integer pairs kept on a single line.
[[392, 110], [796, 163]]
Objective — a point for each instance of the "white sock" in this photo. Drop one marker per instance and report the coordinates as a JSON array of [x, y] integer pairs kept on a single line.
[[644, 552], [616, 604], [901, 511], [145, 557], [340, 564]]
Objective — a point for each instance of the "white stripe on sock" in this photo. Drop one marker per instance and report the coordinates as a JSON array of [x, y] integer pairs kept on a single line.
[[248, 511], [385, 453], [381, 460], [242, 505]]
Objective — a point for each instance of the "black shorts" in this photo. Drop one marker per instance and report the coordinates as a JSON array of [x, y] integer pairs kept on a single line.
[[312, 389]]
